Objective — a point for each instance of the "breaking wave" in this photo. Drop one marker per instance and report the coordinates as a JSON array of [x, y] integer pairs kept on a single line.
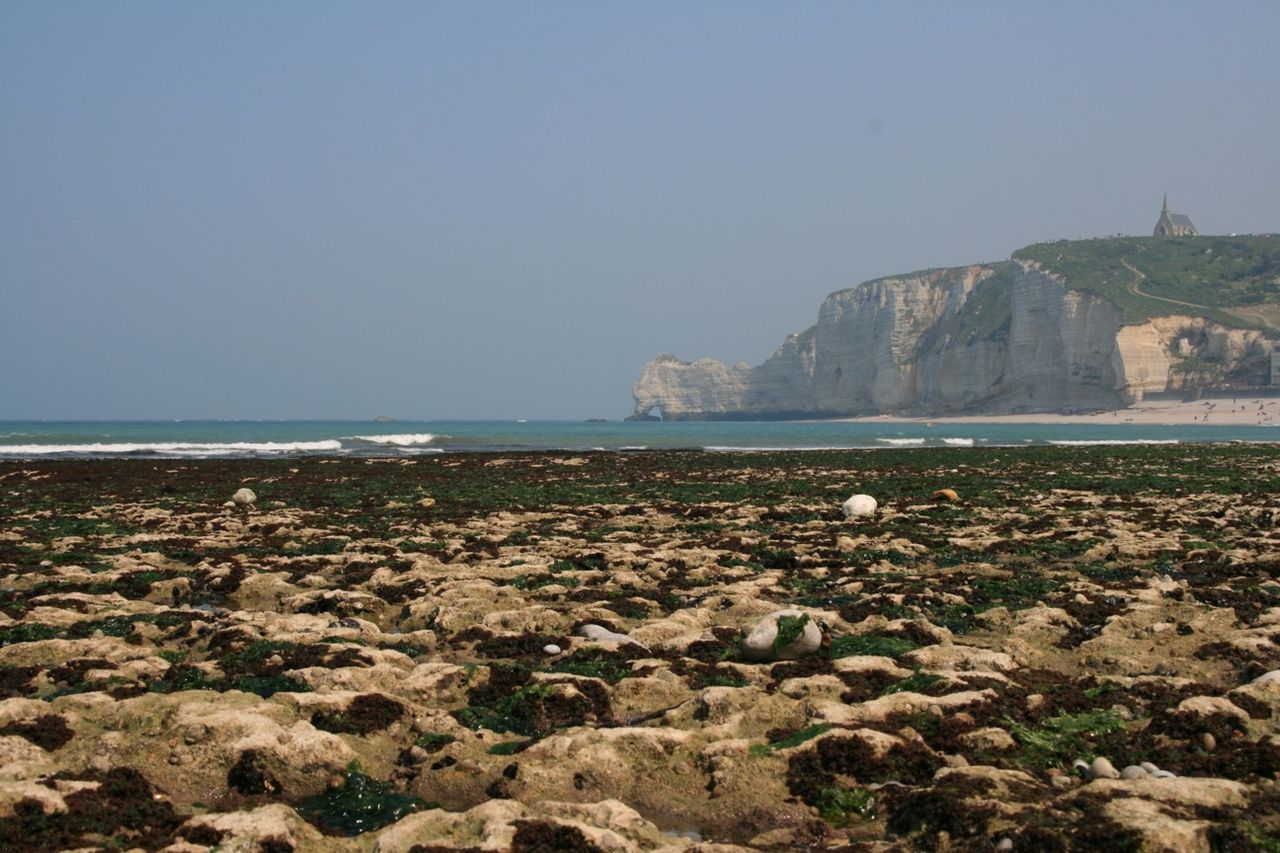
[[409, 439], [1109, 441], [174, 448]]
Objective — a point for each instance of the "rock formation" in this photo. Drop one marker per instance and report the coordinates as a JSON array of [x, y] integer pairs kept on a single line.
[[994, 338]]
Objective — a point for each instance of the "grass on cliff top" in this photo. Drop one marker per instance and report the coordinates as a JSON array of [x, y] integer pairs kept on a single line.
[[1233, 280]]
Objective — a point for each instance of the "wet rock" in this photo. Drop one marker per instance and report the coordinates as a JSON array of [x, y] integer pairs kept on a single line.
[[859, 506], [598, 632], [273, 827], [990, 738], [781, 635]]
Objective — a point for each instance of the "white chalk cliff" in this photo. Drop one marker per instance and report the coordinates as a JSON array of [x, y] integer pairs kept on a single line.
[[995, 338]]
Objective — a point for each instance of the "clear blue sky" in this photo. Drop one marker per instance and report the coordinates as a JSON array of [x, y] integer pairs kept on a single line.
[[493, 209]]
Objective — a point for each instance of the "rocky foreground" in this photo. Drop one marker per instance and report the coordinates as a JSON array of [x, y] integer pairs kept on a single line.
[[1077, 652]]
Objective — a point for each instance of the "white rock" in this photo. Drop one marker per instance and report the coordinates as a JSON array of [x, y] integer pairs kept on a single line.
[[1101, 768], [859, 506], [1133, 771], [1164, 774], [598, 632], [1149, 767], [1004, 844], [551, 649], [244, 497], [758, 645], [1272, 677]]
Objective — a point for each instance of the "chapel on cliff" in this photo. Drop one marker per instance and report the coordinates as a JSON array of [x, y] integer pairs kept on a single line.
[[1173, 224]]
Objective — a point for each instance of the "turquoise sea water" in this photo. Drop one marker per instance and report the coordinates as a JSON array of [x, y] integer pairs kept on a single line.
[[187, 439]]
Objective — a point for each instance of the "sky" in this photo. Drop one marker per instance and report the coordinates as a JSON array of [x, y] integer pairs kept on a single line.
[[289, 210]]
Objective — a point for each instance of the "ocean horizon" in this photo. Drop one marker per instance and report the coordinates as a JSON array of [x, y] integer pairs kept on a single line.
[[272, 438]]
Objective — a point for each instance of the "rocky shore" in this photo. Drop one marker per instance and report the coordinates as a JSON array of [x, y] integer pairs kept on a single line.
[[1019, 649]]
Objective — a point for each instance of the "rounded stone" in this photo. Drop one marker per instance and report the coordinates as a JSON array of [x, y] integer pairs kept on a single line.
[[1004, 844], [859, 506], [1101, 768], [760, 644], [950, 495], [1208, 742], [1133, 771], [551, 649], [244, 497]]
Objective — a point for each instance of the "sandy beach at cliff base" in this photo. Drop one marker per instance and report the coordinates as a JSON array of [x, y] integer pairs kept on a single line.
[[1243, 411]]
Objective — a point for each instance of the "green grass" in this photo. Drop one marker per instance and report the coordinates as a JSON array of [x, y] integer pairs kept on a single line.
[[1219, 272], [988, 312]]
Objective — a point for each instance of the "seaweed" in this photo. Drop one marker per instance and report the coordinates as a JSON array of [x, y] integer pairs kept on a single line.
[[789, 630], [884, 645], [359, 805]]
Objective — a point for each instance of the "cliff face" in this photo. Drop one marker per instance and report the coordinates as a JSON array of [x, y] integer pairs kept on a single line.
[[994, 338]]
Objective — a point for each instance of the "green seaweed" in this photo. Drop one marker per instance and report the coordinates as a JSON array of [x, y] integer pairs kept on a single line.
[[789, 630], [838, 806], [361, 804], [917, 682], [808, 733], [1065, 737], [871, 644]]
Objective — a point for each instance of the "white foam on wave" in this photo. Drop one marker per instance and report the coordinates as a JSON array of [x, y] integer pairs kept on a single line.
[[408, 439], [958, 442], [1108, 441], [781, 448], [175, 448], [902, 442]]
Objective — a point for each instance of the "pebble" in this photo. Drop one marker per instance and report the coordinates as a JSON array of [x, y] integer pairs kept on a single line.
[[859, 506], [551, 649], [1133, 771], [244, 497], [1004, 844], [1208, 742], [1101, 768], [759, 643]]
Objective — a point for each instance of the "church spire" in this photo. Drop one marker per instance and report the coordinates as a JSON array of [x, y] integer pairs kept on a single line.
[[1165, 208]]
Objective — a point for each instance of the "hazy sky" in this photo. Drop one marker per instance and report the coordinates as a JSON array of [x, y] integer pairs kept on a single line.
[[488, 210]]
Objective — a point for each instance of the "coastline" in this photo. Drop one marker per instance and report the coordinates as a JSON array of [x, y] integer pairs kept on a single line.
[[1245, 411]]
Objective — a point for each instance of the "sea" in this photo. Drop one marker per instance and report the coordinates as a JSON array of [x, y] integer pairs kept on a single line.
[[243, 438]]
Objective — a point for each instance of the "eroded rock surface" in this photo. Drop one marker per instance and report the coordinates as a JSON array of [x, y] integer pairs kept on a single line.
[[362, 661]]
